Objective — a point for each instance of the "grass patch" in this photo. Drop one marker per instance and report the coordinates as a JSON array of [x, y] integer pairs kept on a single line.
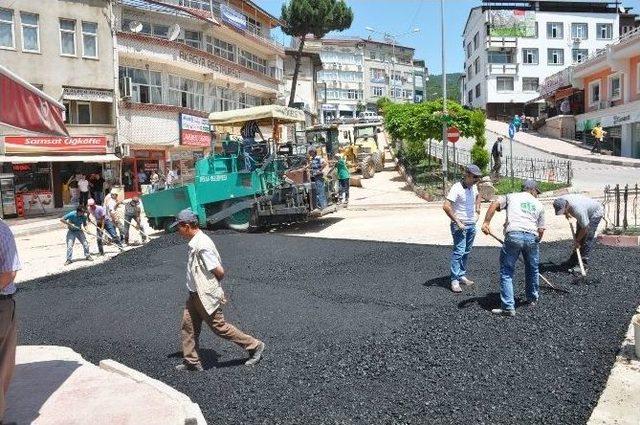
[[503, 186]]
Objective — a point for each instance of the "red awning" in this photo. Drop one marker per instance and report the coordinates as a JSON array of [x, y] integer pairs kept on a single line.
[[24, 107], [565, 92]]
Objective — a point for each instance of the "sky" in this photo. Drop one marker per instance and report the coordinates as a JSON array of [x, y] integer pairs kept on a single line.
[[401, 16]]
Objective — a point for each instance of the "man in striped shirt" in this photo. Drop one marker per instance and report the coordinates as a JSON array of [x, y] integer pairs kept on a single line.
[[9, 265], [248, 133]]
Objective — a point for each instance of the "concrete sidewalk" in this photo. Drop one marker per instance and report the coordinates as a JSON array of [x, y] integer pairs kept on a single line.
[[559, 147], [55, 385]]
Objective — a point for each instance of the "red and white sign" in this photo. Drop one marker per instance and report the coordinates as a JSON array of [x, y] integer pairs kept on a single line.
[[44, 145], [194, 131], [453, 134], [25, 107]]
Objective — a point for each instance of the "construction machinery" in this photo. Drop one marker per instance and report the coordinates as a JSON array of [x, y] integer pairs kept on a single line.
[[276, 190]]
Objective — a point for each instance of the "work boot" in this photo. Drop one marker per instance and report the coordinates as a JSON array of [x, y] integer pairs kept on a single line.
[[190, 367], [255, 355], [88, 258], [501, 312], [466, 281], [66, 263], [455, 286]]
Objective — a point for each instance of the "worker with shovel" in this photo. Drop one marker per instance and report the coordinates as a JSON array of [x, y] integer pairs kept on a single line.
[[132, 212], [76, 221], [588, 213], [524, 228], [103, 224]]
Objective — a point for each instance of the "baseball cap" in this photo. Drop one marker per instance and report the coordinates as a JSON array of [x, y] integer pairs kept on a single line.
[[560, 205], [474, 170], [530, 184], [91, 202], [185, 216]]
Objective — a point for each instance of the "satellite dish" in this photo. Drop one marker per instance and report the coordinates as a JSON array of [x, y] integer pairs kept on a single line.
[[622, 9], [135, 26], [174, 32]]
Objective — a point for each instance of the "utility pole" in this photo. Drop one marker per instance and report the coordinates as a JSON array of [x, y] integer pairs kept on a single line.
[[445, 155]]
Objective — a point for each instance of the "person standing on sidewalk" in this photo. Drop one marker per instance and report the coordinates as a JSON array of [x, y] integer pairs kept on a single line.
[[343, 178], [462, 206], [206, 297], [598, 133], [132, 212], [524, 228], [9, 265], [496, 154], [588, 213], [103, 223], [76, 221], [83, 187]]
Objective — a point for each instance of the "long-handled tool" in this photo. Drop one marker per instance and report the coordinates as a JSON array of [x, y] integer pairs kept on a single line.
[[573, 232], [92, 234], [139, 228], [544, 279]]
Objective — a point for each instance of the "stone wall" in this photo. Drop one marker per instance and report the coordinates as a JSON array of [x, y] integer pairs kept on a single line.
[[559, 127]]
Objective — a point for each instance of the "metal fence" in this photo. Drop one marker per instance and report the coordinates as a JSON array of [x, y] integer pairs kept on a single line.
[[621, 211], [547, 170]]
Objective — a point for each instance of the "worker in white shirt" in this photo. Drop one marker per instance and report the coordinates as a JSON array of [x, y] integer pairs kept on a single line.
[[83, 187]]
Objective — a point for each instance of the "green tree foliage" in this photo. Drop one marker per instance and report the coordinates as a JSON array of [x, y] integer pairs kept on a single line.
[[382, 103], [317, 17], [414, 123], [433, 87]]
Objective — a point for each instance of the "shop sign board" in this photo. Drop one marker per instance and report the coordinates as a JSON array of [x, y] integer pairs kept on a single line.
[[194, 131], [52, 144], [208, 63], [233, 17], [86, 94]]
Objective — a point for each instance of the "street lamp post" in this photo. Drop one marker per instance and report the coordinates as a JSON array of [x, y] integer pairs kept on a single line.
[[445, 153], [393, 38]]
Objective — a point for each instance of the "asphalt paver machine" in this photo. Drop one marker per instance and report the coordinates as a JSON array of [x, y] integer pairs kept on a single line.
[[276, 190]]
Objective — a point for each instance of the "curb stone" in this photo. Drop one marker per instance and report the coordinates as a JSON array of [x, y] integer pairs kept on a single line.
[[595, 159], [192, 412]]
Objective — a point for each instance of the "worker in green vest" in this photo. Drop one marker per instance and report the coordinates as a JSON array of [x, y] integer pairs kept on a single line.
[[343, 178]]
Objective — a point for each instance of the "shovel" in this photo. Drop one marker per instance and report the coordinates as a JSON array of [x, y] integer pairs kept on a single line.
[[544, 279], [573, 232], [106, 241]]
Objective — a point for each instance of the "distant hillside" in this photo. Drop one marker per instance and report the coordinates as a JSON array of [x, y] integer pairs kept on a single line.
[[433, 89]]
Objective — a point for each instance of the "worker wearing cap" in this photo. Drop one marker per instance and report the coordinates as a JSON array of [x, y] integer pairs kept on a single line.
[[132, 212], [524, 228], [102, 223], [317, 166], [588, 213], [462, 205], [111, 205], [206, 297], [76, 221]]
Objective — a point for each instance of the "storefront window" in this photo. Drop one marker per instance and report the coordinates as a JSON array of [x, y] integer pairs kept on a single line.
[[32, 177]]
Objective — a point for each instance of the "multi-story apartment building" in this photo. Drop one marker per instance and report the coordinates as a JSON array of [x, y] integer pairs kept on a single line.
[[420, 78], [66, 49], [179, 60], [306, 87], [388, 71], [511, 46], [611, 84]]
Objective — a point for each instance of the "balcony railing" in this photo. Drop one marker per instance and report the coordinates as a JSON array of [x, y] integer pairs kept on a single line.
[[501, 42], [502, 68]]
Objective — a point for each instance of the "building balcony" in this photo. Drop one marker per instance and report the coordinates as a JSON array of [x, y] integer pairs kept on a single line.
[[502, 69], [501, 42]]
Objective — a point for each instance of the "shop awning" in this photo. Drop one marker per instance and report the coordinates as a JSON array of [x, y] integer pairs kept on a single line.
[[64, 158], [26, 108], [565, 92]]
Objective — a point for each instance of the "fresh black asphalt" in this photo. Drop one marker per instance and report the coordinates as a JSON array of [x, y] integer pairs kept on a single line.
[[356, 332]]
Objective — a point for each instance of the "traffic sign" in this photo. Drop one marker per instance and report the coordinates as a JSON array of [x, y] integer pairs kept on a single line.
[[453, 134], [512, 131]]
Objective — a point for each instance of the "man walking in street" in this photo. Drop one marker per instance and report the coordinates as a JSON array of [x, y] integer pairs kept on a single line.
[[598, 133], [496, 154], [102, 223], [76, 221], [588, 213], [83, 187], [524, 228], [462, 206], [206, 297], [132, 212], [9, 265], [317, 178]]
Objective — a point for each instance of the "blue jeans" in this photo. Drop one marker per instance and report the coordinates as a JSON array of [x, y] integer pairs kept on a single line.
[[321, 199], [588, 242], [111, 231], [462, 244], [514, 244], [72, 235], [249, 162]]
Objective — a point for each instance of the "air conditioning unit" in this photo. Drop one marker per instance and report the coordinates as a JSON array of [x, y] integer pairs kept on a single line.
[[125, 88]]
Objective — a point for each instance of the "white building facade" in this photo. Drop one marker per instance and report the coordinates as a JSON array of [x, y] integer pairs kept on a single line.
[[511, 47], [388, 72], [177, 63]]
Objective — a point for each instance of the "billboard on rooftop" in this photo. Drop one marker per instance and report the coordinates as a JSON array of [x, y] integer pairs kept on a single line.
[[512, 23]]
